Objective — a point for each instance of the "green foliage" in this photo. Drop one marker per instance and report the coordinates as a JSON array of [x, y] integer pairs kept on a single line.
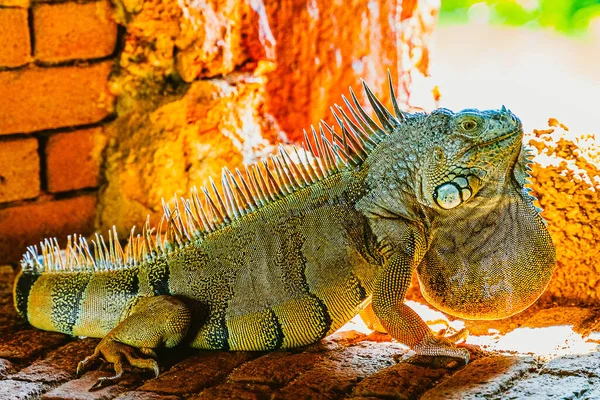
[[569, 16]]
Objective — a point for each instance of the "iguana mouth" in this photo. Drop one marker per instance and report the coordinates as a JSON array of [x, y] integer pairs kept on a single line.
[[491, 141], [501, 138]]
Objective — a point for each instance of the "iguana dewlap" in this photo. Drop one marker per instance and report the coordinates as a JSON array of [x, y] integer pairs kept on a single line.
[[295, 247]]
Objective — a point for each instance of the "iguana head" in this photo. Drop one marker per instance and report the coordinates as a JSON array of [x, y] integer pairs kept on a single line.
[[473, 149]]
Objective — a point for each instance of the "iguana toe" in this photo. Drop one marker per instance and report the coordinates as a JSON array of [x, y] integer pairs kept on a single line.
[[85, 364], [109, 380], [147, 351], [461, 335]]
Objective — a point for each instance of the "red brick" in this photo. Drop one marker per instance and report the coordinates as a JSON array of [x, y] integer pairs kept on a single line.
[[19, 169], [14, 37], [73, 159], [28, 224], [14, 3], [37, 98], [67, 31]]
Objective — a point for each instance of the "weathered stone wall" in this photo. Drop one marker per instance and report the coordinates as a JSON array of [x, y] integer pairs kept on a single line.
[[203, 87], [325, 46], [566, 180]]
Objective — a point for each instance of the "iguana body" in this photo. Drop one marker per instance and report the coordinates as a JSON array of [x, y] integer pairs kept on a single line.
[[292, 251]]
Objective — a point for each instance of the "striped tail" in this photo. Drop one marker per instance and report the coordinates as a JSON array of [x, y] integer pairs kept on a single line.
[[80, 303]]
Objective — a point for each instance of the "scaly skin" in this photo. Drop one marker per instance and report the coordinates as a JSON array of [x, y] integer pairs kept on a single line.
[[441, 194]]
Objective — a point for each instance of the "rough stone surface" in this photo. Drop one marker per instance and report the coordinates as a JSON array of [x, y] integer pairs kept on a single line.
[[574, 316], [25, 344], [9, 320], [211, 40], [19, 169], [550, 387], [14, 37], [314, 46], [78, 389], [241, 391], [58, 365], [6, 368], [341, 370], [587, 365], [272, 369], [36, 98], [15, 3], [171, 147], [27, 224], [19, 390], [67, 31], [402, 381], [485, 377], [295, 43], [141, 395], [73, 159]]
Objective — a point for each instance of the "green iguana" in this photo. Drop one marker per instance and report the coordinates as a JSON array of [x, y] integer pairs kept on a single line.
[[295, 247]]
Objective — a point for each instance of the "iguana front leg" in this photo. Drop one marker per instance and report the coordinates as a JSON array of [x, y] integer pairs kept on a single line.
[[399, 320], [151, 323], [370, 319]]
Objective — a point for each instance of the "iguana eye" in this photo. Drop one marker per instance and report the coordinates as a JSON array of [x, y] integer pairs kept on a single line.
[[468, 125], [438, 154]]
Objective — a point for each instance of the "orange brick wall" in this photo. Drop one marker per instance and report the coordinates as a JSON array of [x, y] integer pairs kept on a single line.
[[55, 61]]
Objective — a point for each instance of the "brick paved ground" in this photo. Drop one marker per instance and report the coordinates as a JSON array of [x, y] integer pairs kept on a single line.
[[354, 365]]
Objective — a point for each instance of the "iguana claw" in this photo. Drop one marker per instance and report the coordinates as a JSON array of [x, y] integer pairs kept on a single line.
[[114, 352], [107, 380]]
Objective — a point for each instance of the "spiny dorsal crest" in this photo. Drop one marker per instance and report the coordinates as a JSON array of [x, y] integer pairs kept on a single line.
[[188, 220], [522, 175]]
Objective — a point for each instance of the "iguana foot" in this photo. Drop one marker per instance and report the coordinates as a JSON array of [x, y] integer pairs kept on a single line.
[[152, 322], [114, 352], [433, 345], [438, 321]]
